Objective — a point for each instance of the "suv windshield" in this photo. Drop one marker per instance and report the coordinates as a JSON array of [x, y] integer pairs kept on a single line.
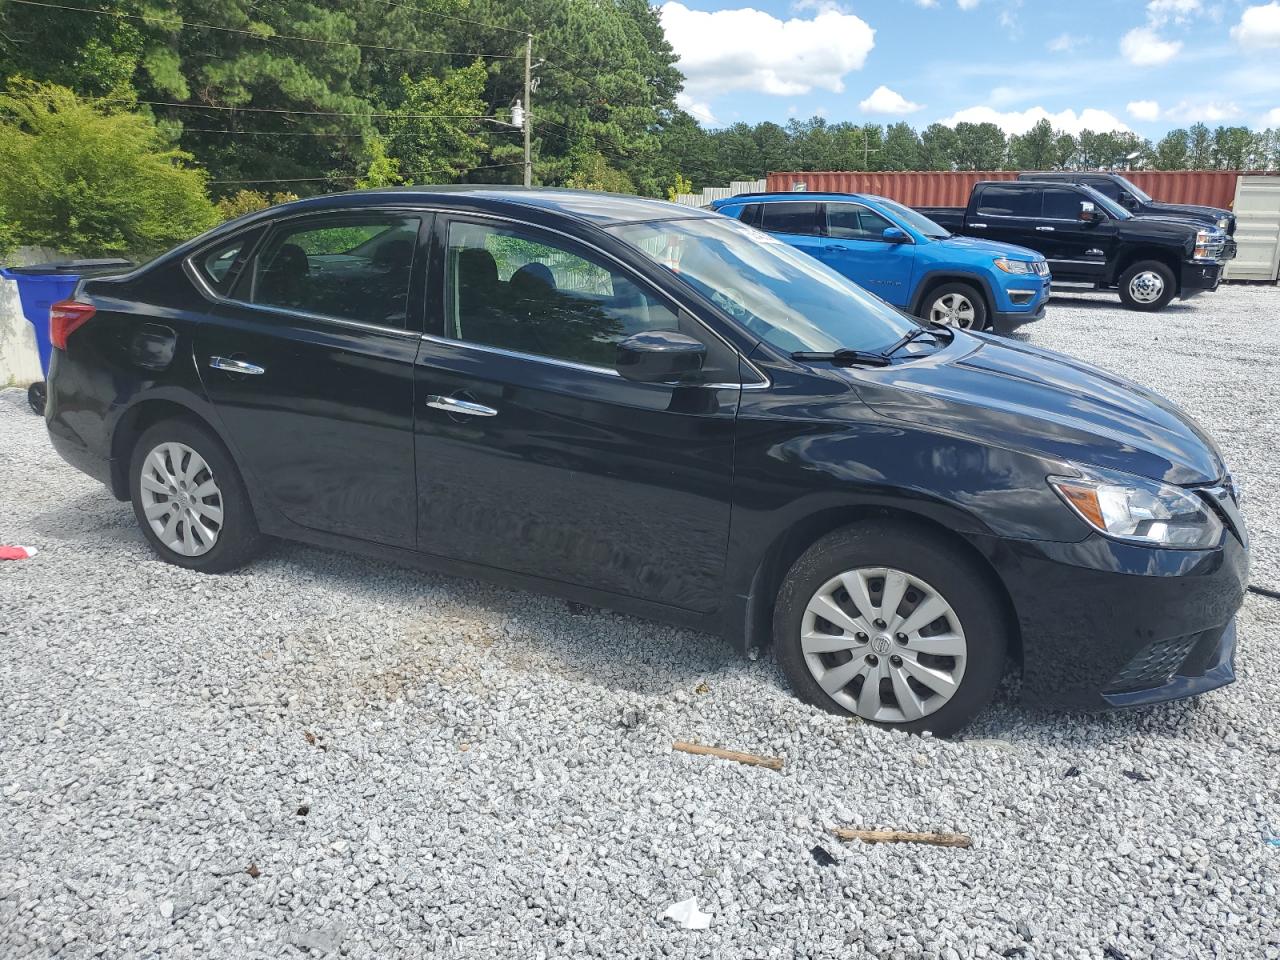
[[775, 291], [916, 221]]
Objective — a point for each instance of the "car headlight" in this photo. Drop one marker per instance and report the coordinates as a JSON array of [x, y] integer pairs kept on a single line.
[[1141, 511], [1224, 223], [1014, 266], [1209, 243]]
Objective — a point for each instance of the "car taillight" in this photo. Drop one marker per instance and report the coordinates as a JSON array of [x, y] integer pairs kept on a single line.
[[65, 317]]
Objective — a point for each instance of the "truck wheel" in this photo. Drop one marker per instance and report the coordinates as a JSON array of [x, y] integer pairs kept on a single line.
[[893, 624], [1147, 285], [956, 304]]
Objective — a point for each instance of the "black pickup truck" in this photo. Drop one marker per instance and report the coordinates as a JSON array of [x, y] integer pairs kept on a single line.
[[1128, 195], [1090, 239]]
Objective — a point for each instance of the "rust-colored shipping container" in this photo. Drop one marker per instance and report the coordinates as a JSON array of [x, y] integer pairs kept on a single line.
[[1214, 188]]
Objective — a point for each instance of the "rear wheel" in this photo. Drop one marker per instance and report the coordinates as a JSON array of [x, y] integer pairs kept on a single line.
[[1147, 285], [190, 500], [893, 624], [38, 397], [958, 305]]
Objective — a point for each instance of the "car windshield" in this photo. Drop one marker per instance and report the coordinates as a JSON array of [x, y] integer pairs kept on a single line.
[[916, 221], [1136, 191], [1107, 204], [778, 293]]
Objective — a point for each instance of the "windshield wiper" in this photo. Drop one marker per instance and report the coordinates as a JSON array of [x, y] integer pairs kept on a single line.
[[909, 337], [843, 357]]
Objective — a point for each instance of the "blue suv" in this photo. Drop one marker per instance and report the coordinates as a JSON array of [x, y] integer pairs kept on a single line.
[[904, 257]]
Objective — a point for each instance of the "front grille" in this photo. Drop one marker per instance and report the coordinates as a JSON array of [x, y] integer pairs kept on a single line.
[[1155, 664]]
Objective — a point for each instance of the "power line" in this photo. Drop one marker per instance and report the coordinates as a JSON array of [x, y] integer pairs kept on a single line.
[[305, 113], [345, 177], [258, 36]]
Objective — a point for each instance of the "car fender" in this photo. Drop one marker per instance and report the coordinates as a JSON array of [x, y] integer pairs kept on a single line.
[[931, 276]]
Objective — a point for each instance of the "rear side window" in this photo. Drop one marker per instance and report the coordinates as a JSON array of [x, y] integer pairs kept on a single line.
[[1011, 201], [1061, 204], [849, 221], [791, 217], [219, 266], [352, 268], [751, 214]]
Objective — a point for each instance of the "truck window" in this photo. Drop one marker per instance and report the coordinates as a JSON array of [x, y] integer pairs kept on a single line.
[[1105, 187], [998, 200], [791, 217], [1062, 204]]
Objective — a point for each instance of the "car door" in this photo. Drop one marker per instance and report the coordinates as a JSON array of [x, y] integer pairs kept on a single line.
[[309, 364], [1009, 213], [855, 247], [796, 222], [534, 455], [1075, 248]]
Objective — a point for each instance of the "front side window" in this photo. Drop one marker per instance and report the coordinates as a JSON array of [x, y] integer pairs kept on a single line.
[[770, 288], [533, 293], [791, 217], [352, 268], [849, 221], [1062, 204], [1011, 201]]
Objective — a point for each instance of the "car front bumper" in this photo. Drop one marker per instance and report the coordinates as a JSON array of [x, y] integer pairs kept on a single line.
[[1106, 624], [1199, 278]]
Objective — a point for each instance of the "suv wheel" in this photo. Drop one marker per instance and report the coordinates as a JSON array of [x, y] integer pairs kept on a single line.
[[892, 624], [189, 499], [1147, 285], [958, 305]]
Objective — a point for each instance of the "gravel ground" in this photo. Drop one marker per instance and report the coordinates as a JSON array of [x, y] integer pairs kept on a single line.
[[330, 756]]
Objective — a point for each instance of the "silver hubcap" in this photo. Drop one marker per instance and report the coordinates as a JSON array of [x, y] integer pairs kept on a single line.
[[883, 644], [1146, 287], [181, 499], [953, 308]]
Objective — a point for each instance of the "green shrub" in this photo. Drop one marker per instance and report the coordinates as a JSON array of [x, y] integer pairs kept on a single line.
[[86, 177], [250, 201]]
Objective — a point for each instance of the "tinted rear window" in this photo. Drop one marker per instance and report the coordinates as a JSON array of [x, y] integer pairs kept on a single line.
[[1011, 201]]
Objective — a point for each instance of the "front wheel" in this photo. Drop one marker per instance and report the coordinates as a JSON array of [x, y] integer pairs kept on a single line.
[[957, 305], [190, 500], [893, 624], [1147, 285]]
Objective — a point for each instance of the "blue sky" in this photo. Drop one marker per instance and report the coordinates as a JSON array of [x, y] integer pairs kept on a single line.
[[1141, 65]]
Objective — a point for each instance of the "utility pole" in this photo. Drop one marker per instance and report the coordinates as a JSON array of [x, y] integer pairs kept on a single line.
[[528, 111]]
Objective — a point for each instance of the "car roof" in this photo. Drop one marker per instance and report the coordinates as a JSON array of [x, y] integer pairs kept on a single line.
[[586, 205], [799, 195]]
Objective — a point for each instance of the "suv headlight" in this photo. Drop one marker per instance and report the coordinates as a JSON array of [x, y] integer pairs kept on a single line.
[[1140, 511], [1209, 243], [1224, 223], [1014, 266]]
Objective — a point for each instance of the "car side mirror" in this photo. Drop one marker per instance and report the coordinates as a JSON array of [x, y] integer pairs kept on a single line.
[[895, 235], [660, 356], [1089, 213]]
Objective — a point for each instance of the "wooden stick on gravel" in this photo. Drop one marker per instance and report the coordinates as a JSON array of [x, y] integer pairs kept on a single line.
[[901, 836], [773, 763]]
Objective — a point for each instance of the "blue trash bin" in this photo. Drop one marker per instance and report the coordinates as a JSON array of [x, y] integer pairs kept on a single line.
[[40, 286]]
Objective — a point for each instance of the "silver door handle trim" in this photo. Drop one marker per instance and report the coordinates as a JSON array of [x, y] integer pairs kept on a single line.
[[466, 407], [983, 225], [1045, 229], [236, 366]]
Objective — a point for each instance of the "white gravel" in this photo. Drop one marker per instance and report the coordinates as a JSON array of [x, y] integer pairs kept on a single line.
[[489, 774]]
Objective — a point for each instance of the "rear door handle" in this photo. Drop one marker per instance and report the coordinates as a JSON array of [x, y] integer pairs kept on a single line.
[[236, 366], [979, 225], [465, 407], [1046, 229]]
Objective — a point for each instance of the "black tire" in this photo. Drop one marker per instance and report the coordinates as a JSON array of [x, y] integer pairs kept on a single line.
[[981, 316], [238, 540], [1139, 277], [916, 551], [38, 397]]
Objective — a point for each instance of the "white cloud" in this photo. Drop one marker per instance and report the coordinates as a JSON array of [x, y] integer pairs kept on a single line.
[[1160, 12], [1189, 111], [967, 4], [1271, 118], [1147, 110], [1259, 27], [884, 100], [1143, 47], [926, 3], [746, 49], [698, 110], [1063, 43], [1020, 121]]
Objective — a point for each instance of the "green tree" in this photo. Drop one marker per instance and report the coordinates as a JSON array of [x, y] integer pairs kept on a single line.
[[1173, 151], [901, 149], [434, 134], [1233, 148], [938, 147], [1199, 147], [1037, 149], [87, 177], [979, 146]]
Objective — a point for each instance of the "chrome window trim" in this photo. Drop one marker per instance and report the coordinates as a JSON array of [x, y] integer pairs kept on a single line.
[[670, 300]]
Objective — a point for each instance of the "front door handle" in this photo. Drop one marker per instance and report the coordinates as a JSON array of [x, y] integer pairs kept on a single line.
[[465, 407], [979, 225], [1045, 229], [236, 366]]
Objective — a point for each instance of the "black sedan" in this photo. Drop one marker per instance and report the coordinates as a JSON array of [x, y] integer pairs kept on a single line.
[[663, 411]]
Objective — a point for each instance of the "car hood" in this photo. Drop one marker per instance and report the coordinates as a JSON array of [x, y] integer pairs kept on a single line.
[[1197, 211], [1026, 398], [979, 246]]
